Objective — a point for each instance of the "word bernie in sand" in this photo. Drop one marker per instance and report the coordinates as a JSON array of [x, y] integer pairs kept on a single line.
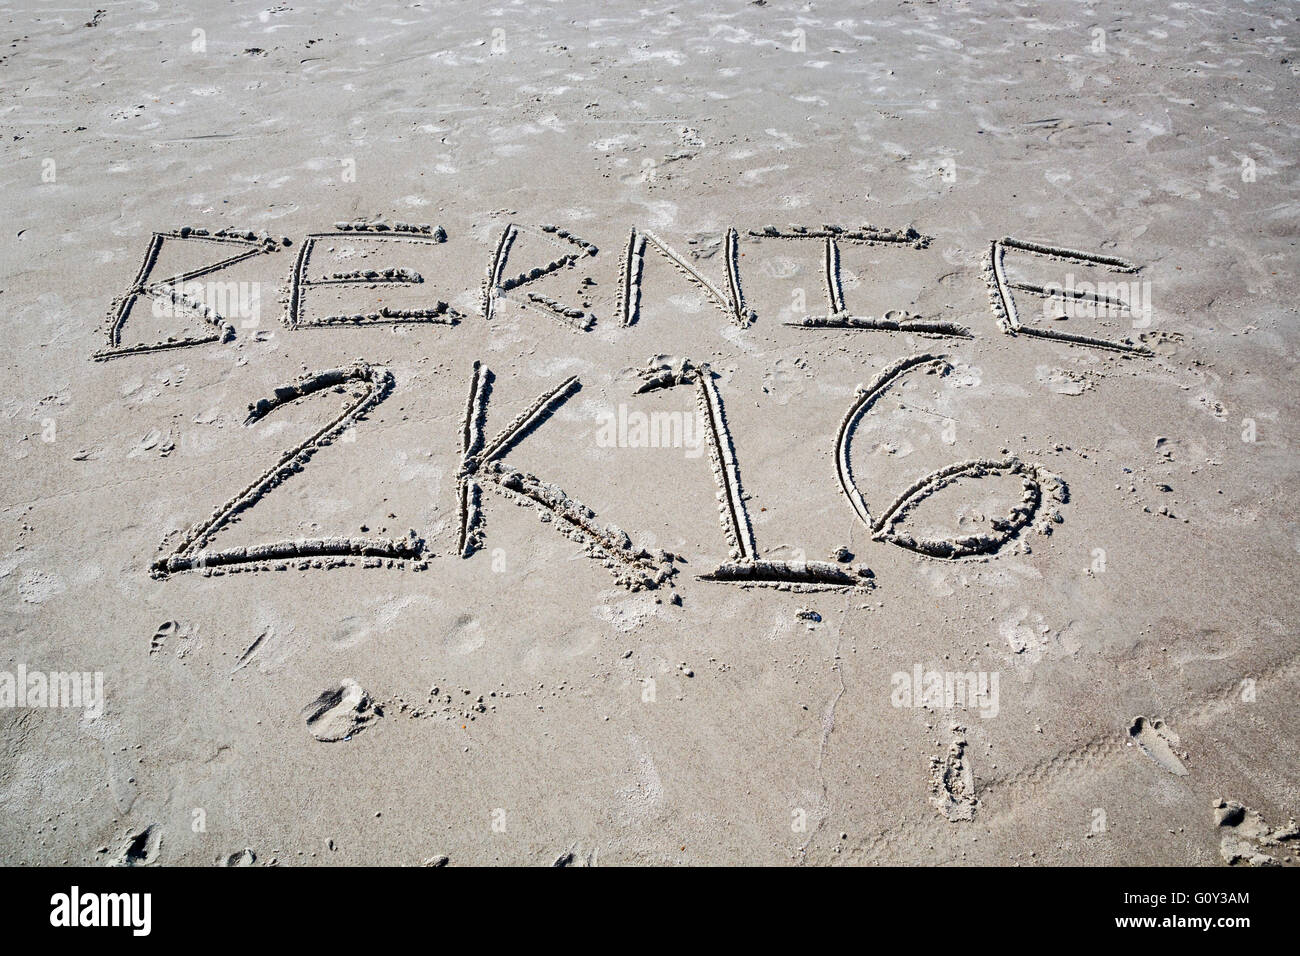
[[484, 463]]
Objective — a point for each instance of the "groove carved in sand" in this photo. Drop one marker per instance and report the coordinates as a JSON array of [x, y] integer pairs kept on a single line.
[[250, 244], [745, 567], [837, 313], [731, 304], [440, 313], [1038, 484], [192, 552], [1003, 303], [483, 466], [497, 286]]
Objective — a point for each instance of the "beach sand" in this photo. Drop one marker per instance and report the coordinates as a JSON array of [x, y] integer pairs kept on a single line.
[[881, 535]]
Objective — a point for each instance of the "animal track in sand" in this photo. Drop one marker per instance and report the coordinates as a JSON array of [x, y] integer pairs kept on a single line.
[[141, 848], [575, 856], [175, 634], [952, 784]]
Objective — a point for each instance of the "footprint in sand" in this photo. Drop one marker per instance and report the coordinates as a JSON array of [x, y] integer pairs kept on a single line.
[[1246, 836], [340, 712], [140, 849], [576, 856], [952, 784], [1157, 741], [181, 638]]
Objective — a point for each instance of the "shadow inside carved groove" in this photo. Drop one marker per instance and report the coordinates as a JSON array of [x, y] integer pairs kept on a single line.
[[498, 287], [837, 313], [632, 264], [745, 567], [791, 575]]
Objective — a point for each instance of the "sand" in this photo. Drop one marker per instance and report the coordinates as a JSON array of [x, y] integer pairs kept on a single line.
[[592, 433]]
